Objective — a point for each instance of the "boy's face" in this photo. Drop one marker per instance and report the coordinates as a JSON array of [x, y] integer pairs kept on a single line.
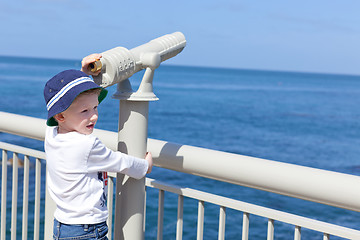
[[81, 116]]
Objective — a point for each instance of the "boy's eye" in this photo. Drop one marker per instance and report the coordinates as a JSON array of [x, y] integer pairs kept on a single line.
[[84, 111]]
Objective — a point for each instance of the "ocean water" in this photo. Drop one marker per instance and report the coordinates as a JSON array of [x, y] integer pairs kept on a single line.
[[301, 118]]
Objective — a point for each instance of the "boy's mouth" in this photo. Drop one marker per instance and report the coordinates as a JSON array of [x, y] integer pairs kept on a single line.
[[90, 126]]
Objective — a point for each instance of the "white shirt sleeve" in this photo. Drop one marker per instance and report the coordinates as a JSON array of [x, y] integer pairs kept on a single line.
[[104, 159]]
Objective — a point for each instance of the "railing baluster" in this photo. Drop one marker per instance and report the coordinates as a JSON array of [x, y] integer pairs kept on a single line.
[[144, 215], [179, 225], [160, 215], [37, 198], [200, 224], [14, 196], [110, 205], [222, 220], [326, 236], [245, 230], [270, 232], [3, 193], [297, 235], [25, 198]]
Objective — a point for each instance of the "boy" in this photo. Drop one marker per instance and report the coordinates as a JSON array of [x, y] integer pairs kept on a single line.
[[78, 162]]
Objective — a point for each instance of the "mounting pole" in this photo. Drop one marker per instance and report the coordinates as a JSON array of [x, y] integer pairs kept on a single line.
[[132, 139]]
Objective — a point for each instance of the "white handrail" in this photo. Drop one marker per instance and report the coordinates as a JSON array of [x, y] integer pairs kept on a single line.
[[326, 187]]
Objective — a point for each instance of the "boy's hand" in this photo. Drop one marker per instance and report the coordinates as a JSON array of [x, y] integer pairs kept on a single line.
[[148, 157], [90, 59]]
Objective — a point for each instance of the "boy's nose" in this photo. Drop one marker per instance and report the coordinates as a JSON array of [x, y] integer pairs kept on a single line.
[[94, 117]]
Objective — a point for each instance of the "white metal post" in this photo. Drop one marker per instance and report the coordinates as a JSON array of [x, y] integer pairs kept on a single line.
[[130, 193], [50, 207]]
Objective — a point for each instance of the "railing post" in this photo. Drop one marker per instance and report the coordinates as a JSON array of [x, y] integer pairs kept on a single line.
[[14, 196], [3, 193], [50, 207]]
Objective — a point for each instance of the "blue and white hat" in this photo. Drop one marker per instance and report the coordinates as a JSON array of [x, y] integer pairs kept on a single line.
[[61, 90]]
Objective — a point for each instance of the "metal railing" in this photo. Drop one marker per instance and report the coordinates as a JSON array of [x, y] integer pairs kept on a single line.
[[38, 155], [331, 188], [247, 209]]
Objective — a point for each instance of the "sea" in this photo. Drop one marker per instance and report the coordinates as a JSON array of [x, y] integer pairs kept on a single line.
[[308, 119]]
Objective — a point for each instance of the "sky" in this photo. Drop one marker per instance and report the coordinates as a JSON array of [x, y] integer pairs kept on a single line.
[[320, 36]]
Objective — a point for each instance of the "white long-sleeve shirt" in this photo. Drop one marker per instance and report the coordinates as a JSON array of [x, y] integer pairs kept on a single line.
[[77, 166]]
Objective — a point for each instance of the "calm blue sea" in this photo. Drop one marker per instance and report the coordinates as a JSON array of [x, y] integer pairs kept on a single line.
[[301, 118]]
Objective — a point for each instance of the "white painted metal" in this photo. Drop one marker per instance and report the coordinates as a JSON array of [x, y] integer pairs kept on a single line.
[[222, 220], [19, 125], [326, 237], [22, 150], [25, 198], [248, 209], [3, 193], [245, 226], [331, 188], [297, 234], [200, 221], [110, 205], [37, 198], [144, 218], [160, 220], [130, 197], [40, 135], [14, 196], [329, 229], [180, 156], [27, 152], [326, 187], [49, 213], [120, 63], [180, 218], [270, 232]]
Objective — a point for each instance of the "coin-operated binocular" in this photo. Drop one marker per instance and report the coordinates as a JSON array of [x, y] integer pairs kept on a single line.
[[118, 64]]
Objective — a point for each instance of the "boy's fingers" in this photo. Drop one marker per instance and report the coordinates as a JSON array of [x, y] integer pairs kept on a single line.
[[91, 58]]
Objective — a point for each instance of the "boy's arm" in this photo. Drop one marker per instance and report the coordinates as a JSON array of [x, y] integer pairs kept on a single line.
[[101, 158], [90, 59]]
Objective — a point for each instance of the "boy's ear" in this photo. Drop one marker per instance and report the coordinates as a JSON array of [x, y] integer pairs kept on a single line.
[[59, 117]]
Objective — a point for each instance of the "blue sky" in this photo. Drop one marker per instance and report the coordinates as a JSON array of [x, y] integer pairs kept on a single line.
[[306, 36]]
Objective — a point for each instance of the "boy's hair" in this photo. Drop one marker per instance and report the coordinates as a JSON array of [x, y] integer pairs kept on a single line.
[[92, 91], [61, 90], [96, 91]]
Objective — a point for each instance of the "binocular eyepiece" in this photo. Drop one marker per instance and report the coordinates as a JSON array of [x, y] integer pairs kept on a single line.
[[95, 66]]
